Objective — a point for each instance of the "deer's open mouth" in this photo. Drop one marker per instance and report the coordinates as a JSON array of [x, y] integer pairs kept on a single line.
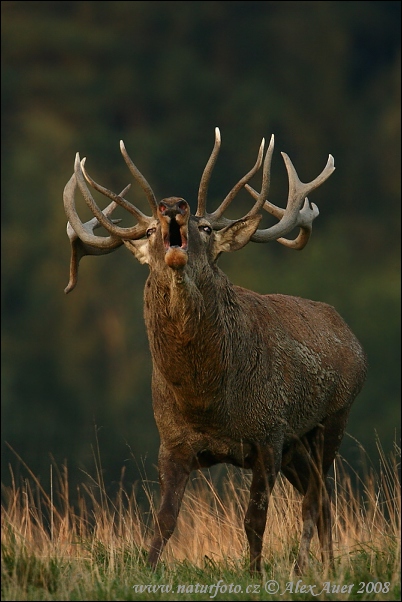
[[174, 214], [175, 242], [176, 236]]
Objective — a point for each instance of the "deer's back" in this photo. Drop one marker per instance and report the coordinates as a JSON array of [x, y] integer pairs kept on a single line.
[[300, 363]]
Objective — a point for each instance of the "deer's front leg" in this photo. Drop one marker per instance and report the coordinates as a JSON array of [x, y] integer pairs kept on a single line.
[[173, 477]]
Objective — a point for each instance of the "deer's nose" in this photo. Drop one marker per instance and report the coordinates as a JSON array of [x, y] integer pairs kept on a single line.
[[171, 208]]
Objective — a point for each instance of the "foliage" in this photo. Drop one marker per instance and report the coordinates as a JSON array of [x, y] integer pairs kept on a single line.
[[322, 76], [97, 551]]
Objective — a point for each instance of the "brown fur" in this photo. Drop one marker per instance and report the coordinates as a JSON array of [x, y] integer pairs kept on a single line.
[[263, 382]]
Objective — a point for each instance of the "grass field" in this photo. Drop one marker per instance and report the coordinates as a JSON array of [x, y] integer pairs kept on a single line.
[[97, 550]]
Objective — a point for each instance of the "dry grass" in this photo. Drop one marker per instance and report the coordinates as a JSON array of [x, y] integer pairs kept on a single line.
[[52, 548]]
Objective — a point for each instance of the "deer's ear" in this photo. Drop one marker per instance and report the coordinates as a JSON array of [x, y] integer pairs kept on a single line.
[[235, 236], [139, 248]]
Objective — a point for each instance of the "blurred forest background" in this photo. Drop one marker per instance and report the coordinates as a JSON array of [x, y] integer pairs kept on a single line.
[[324, 77]]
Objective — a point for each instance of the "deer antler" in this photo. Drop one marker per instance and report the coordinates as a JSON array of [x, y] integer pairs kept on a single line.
[[79, 248], [82, 238], [216, 218], [299, 211], [140, 179]]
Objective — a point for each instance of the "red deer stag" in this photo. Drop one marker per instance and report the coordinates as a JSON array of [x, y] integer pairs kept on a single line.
[[264, 382]]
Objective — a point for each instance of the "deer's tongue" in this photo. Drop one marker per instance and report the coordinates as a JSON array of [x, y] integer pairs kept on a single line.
[[176, 258]]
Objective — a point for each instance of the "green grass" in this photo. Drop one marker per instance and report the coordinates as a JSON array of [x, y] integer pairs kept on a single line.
[[98, 550]]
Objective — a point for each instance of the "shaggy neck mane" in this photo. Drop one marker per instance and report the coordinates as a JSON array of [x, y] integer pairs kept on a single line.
[[190, 320]]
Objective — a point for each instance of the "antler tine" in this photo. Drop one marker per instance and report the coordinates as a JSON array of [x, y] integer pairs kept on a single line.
[[79, 248], [294, 215], [304, 221], [136, 231], [266, 180], [82, 230], [216, 218], [299, 190], [140, 179], [206, 176]]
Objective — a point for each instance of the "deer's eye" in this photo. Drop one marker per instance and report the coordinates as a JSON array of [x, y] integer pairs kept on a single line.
[[150, 231], [206, 229]]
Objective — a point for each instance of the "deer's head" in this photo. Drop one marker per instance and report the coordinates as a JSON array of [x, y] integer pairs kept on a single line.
[[173, 238]]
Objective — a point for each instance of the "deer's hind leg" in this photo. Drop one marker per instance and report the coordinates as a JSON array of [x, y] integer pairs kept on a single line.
[[314, 497], [334, 428], [265, 470], [305, 474], [311, 460]]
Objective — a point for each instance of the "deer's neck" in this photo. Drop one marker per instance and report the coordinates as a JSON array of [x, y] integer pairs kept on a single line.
[[188, 321], [174, 307]]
